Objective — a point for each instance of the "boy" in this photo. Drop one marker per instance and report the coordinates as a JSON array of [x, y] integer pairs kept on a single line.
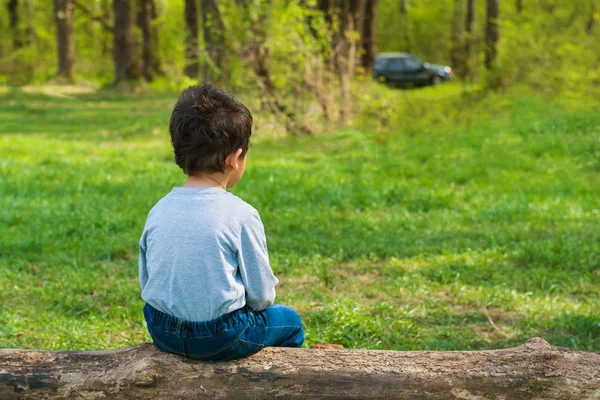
[[204, 267]]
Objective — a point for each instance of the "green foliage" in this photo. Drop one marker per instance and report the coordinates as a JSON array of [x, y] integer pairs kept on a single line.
[[414, 32], [547, 46], [467, 205], [552, 53]]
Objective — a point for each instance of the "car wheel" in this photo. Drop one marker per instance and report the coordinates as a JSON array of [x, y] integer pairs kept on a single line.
[[436, 80]]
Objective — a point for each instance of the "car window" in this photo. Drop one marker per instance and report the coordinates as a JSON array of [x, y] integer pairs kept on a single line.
[[413, 63], [380, 62], [395, 64]]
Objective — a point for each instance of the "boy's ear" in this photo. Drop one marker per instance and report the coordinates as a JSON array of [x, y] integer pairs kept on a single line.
[[233, 160]]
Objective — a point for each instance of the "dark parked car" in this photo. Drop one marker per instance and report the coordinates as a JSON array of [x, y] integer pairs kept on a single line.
[[406, 69]]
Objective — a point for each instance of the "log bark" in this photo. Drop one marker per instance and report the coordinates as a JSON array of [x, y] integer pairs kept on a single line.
[[535, 370]]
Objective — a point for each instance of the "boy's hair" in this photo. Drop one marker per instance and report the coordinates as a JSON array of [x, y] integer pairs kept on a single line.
[[206, 126]]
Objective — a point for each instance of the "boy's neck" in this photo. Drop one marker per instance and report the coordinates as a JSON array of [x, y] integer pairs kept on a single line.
[[215, 179]]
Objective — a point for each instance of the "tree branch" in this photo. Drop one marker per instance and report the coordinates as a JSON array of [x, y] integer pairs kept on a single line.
[[89, 13]]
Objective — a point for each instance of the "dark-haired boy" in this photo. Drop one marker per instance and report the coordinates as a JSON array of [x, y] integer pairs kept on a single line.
[[204, 267]]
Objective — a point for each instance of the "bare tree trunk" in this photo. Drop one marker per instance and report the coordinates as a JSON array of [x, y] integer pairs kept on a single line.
[[405, 23], [157, 67], [127, 66], [63, 16], [29, 29], [468, 61], [192, 52], [145, 23], [327, 7], [535, 370], [213, 34], [369, 35], [12, 7], [491, 34], [317, 75], [105, 15], [342, 58], [402, 7], [591, 23], [319, 86], [357, 9], [519, 6], [28, 65], [455, 36]]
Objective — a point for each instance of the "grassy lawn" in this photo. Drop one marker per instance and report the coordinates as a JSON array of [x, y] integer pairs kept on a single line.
[[465, 223]]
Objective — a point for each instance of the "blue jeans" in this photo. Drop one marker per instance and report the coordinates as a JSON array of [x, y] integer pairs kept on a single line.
[[229, 337]]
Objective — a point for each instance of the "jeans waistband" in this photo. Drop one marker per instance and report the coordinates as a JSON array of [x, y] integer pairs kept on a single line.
[[204, 328]]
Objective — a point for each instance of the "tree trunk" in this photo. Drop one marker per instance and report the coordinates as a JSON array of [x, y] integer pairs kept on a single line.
[[12, 7], [213, 34], [63, 14], [456, 61], [402, 7], [519, 6], [105, 15], [157, 67], [535, 370], [470, 18], [192, 52], [591, 23], [342, 58], [30, 32], [319, 74], [127, 66], [369, 34], [357, 9], [145, 24], [491, 34]]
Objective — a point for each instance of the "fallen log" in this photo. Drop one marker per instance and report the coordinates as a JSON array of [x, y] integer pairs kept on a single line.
[[535, 370]]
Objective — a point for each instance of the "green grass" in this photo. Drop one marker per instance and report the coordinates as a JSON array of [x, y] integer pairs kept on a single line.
[[465, 221]]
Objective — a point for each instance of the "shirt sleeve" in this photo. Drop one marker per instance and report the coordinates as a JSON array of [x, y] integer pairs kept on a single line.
[[143, 269], [254, 267]]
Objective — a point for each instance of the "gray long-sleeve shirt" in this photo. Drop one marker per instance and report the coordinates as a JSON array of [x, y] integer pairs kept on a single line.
[[203, 253]]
